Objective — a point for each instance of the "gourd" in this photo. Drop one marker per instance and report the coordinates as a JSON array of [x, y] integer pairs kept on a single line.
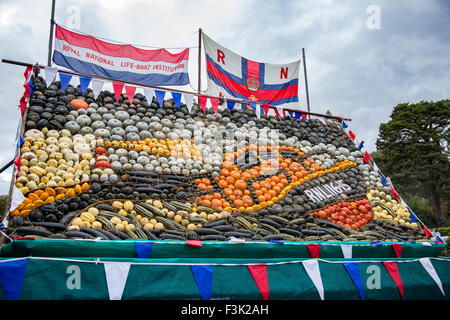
[[79, 104]]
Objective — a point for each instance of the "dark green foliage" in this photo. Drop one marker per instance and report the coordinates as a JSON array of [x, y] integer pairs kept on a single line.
[[412, 148]]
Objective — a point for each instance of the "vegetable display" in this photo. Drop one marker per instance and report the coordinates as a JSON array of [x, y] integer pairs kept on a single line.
[[114, 170]]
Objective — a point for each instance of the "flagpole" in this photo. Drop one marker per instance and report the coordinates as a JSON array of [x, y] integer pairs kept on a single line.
[[50, 37], [199, 59], [306, 80]]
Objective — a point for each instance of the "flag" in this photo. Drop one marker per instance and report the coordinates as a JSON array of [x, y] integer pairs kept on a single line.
[[252, 105], [194, 243], [64, 80], [203, 275], [118, 88], [143, 249], [149, 93], [304, 115], [20, 142], [202, 100], [88, 55], [160, 94], [188, 100], [347, 250], [398, 249], [214, 103], [344, 125], [17, 162], [266, 108], [394, 193], [176, 96], [312, 269], [17, 198], [130, 90], [237, 77], [384, 180], [84, 83], [366, 157], [12, 274], [49, 74], [361, 145], [392, 269], [116, 277], [427, 232], [351, 134], [97, 85], [353, 271], [279, 111], [426, 264], [23, 105], [259, 274], [313, 249], [230, 104]]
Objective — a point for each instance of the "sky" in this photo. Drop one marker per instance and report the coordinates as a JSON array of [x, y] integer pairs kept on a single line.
[[363, 57]]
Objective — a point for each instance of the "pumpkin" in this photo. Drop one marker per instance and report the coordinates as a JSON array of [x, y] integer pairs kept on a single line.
[[79, 104]]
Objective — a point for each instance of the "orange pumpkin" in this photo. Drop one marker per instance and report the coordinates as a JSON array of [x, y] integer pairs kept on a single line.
[[79, 104]]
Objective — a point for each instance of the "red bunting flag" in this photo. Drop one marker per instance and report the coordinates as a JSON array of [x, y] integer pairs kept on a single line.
[[392, 269], [427, 232], [130, 90], [23, 105], [27, 74], [195, 243], [394, 193], [351, 134], [118, 88], [304, 115], [266, 108], [214, 103], [367, 157], [398, 249], [277, 112], [259, 274], [314, 250], [203, 100]]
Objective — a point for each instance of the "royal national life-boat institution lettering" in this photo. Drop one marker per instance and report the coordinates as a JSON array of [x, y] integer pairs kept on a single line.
[[326, 191]]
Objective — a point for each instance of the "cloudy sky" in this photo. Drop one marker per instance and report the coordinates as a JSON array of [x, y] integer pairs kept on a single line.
[[362, 57]]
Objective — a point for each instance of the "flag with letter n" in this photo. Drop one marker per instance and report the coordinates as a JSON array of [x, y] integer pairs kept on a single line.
[[233, 76]]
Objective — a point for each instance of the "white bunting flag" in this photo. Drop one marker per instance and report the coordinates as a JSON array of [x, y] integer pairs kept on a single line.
[[347, 250], [426, 264], [50, 74], [280, 111], [116, 277], [97, 86], [258, 110], [149, 93], [17, 198], [234, 240], [312, 268], [188, 100]]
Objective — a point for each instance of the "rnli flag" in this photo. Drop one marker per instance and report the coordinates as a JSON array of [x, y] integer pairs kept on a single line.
[[86, 54], [233, 76]]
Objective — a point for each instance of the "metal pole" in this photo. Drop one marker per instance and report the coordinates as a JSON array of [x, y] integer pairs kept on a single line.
[[50, 37], [306, 79], [199, 60]]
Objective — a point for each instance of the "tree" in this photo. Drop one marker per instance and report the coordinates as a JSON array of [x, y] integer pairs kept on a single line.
[[412, 148]]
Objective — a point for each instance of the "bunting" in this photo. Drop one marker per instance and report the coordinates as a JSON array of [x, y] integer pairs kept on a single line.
[[12, 274], [160, 94], [118, 88], [97, 85], [230, 104], [426, 264], [214, 103], [188, 100], [353, 271], [392, 269], [143, 249], [203, 275], [259, 274], [64, 80], [312, 269], [313, 249], [116, 277], [130, 90], [176, 96], [84, 83], [202, 101]]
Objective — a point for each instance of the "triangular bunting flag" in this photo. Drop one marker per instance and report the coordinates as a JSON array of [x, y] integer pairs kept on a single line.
[[23, 106], [31, 86], [160, 94], [149, 93], [230, 104], [314, 249], [298, 115], [312, 269], [394, 193], [12, 274], [116, 278], [27, 74], [143, 249], [304, 115], [384, 181], [50, 74], [366, 157], [188, 100], [279, 112], [344, 125], [426, 264], [202, 101], [214, 103], [118, 88], [258, 111], [351, 134], [398, 249], [361, 145], [427, 232], [376, 243], [84, 83], [20, 142], [203, 275], [347, 250], [176, 96], [97, 85], [64, 79], [17, 198], [413, 217], [194, 243], [266, 108], [252, 105], [259, 274], [353, 271], [17, 162], [243, 106], [130, 90], [392, 269]]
